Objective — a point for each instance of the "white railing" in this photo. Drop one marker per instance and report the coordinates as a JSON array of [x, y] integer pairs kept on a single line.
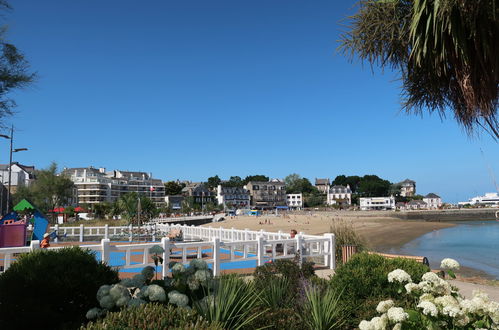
[[179, 219], [112, 232], [225, 245]]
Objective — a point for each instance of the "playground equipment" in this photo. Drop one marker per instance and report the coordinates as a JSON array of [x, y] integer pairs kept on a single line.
[[13, 229]]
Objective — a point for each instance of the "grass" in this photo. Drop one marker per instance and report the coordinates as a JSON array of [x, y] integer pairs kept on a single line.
[[96, 223]]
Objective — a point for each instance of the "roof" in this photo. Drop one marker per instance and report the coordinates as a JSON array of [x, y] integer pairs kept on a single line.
[[416, 202], [432, 195], [24, 205], [321, 181], [408, 181]]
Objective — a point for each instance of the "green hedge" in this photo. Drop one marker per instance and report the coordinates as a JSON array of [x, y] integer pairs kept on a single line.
[[51, 288], [365, 283], [152, 316]]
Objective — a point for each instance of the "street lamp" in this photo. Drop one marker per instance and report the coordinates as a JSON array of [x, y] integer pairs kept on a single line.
[[11, 138]]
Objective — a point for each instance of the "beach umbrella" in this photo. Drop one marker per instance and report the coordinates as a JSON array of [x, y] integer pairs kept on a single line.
[[79, 209]]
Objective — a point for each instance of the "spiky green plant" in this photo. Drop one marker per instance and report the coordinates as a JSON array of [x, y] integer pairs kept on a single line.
[[275, 293], [232, 303], [322, 309]]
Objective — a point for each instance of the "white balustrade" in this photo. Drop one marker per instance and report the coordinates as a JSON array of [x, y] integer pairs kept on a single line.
[[240, 245]]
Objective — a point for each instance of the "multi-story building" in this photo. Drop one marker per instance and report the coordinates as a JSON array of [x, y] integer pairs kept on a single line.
[[377, 203], [433, 201], [491, 199], [199, 192], [340, 195], [20, 176], [96, 185], [267, 195], [294, 201], [407, 188], [233, 197], [322, 185]]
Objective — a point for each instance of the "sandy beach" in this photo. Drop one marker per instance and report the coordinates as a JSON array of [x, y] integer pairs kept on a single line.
[[380, 233]]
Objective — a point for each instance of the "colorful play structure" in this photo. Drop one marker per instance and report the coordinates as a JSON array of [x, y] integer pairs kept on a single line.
[[14, 227]]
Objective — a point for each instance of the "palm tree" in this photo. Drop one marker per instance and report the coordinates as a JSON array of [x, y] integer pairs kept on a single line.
[[446, 51], [127, 207]]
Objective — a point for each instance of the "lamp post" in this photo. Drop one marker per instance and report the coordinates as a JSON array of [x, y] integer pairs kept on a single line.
[[12, 150]]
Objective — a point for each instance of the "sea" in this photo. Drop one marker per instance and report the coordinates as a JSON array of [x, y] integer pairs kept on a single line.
[[473, 244]]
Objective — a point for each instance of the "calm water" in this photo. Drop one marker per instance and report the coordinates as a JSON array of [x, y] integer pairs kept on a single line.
[[474, 244]]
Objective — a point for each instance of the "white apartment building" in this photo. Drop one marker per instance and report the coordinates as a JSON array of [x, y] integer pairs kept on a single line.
[[233, 197], [433, 201], [339, 195], [377, 203], [294, 201], [96, 185]]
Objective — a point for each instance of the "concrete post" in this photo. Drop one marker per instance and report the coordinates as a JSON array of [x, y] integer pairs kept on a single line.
[[332, 250], [246, 234], [56, 229], [216, 256], [165, 244], [259, 250], [299, 248], [232, 234], [154, 228], [82, 229], [130, 230], [34, 245], [105, 250], [106, 231]]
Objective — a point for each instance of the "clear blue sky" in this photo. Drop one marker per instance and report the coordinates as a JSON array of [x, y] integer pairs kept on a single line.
[[190, 89]]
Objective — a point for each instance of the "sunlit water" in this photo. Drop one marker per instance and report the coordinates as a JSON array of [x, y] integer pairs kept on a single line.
[[474, 244]]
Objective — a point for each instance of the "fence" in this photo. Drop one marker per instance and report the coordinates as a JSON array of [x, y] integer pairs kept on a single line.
[[217, 246]]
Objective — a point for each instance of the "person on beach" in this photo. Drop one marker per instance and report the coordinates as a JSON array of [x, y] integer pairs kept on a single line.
[[45, 243], [293, 233]]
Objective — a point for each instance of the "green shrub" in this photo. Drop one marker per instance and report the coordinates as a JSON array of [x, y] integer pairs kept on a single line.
[[152, 316], [322, 309], [286, 269], [277, 318], [364, 281], [54, 286]]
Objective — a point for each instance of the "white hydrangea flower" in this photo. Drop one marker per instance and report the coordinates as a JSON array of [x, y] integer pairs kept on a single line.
[[425, 286], [449, 306], [409, 287], [397, 326], [480, 294], [428, 308], [365, 325], [397, 314], [449, 263], [178, 298], [156, 293], [431, 277], [379, 323], [399, 275], [463, 320], [467, 306], [384, 306]]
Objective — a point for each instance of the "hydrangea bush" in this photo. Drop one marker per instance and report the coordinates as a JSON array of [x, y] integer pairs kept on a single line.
[[187, 285], [435, 305]]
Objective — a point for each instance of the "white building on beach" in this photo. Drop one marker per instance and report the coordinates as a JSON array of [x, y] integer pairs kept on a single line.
[[377, 203], [491, 199], [294, 201], [433, 201]]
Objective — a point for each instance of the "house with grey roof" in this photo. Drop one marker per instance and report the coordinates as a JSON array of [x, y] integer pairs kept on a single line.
[[339, 195], [20, 175], [407, 188], [416, 204], [433, 201], [322, 185]]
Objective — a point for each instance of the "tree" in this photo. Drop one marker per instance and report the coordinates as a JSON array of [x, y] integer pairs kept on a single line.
[[128, 205], [352, 181], [372, 185], [49, 191], [295, 184], [234, 181], [14, 70], [173, 188], [445, 50], [213, 182], [258, 177], [101, 210]]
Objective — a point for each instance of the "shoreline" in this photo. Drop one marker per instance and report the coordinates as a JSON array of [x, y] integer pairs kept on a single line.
[[381, 233]]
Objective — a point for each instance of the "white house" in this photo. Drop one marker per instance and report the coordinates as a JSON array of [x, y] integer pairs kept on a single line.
[[377, 203], [294, 201], [339, 195], [416, 204], [433, 201], [233, 197], [20, 176], [407, 188]]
